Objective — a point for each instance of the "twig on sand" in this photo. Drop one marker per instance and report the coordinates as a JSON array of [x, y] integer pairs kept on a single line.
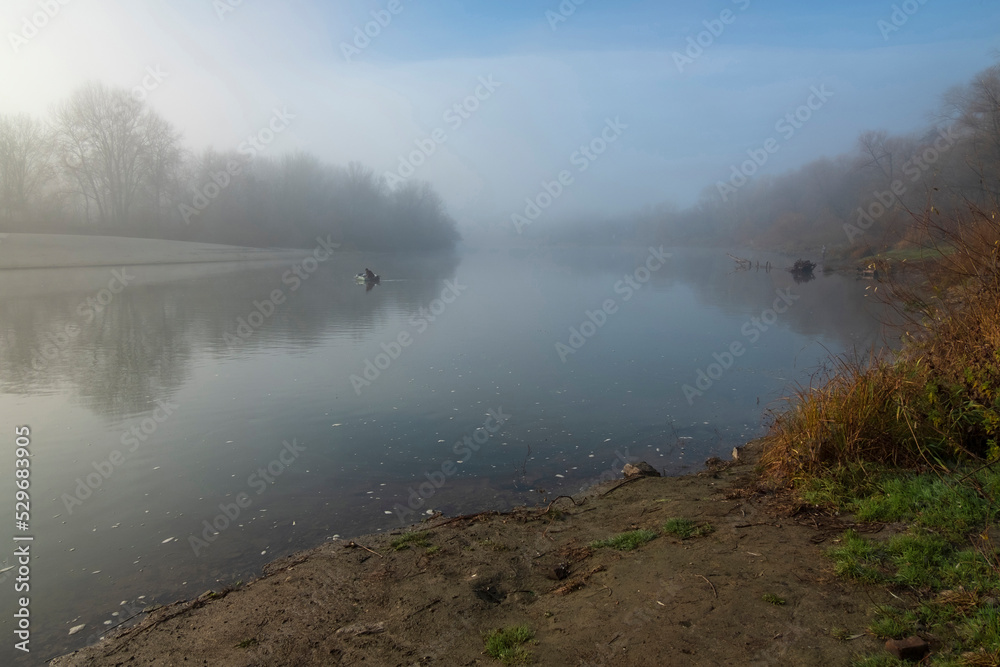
[[361, 546], [467, 517], [715, 592], [546, 510], [621, 484]]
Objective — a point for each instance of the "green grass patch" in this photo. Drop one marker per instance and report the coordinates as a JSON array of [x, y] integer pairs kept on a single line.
[[507, 644], [915, 253], [941, 559], [857, 558], [686, 528], [938, 504], [880, 660], [771, 598], [955, 577], [893, 623], [982, 629], [628, 541], [414, 539]]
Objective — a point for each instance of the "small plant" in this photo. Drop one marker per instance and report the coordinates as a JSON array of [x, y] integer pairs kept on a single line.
[[843, 634], [686, 528], [248, 643], [857, 558], [415, 539], [893, 623], [431, 550], [771, 598], [628, 541], [506, 644]]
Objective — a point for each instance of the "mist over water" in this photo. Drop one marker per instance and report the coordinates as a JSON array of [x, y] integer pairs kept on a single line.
[[536, 171], [178, 450]]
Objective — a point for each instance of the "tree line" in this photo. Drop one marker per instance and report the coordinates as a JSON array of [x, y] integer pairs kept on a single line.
[[104, 162], [871, 198]]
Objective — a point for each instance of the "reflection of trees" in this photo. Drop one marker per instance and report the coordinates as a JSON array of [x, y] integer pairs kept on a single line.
[[141, 344], [137, 352], [837, 308], [831, 305]]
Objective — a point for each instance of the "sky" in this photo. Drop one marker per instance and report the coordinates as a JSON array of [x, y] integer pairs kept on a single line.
[[666, 98]]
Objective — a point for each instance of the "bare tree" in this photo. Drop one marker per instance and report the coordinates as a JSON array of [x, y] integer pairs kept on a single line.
[[875, 152], [161, 164], [24, 164], [975, 108], [112, 145]]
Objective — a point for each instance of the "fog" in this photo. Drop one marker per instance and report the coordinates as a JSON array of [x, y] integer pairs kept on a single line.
[[490, 104]]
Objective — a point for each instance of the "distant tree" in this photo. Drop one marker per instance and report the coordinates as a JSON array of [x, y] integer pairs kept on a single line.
[[419, 218], [113, 146], [25, 164], [877, 153], [109, 159], [975, 108], [161, 165]]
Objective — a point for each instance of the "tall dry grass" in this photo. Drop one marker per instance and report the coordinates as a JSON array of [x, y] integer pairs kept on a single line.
[[935, 401]]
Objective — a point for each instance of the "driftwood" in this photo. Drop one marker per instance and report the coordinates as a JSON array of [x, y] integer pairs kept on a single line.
[[743, 264]]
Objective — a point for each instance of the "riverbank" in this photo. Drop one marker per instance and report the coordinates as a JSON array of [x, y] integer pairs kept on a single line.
[[742, 581], [50, 251]]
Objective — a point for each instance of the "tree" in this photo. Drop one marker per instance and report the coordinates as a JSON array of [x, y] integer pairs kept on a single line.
[[975, 108], [875, 152], [161, 163], [24, 164], [113, 145]]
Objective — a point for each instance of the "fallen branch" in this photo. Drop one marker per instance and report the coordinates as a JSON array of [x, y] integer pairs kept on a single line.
[[622, 483], [361, 546], [546, 510]]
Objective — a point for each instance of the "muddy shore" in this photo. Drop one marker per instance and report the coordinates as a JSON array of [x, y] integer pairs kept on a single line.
[[756, 590]]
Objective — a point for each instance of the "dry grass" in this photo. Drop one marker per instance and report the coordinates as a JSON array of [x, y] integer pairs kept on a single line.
[[935, 401]]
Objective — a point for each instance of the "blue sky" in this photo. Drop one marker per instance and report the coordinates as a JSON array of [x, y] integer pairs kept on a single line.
[[686, 126]]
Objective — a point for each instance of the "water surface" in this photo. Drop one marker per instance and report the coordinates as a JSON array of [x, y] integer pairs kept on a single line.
[[188, 428]]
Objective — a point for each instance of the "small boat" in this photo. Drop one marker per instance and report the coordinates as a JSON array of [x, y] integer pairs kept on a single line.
[[367, 277]]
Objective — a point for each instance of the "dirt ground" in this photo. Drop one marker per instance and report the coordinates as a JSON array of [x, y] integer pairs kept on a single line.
[[697, 601]]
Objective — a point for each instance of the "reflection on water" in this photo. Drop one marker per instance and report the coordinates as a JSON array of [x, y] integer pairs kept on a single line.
[[119, 349], [300, 405]]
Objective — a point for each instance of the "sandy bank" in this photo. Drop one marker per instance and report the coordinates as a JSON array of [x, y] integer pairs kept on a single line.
[[28, 251], [695, 601]]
